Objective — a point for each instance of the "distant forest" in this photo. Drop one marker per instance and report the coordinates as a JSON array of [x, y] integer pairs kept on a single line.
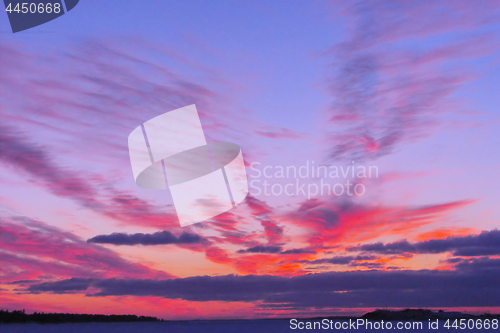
[[20, 317]]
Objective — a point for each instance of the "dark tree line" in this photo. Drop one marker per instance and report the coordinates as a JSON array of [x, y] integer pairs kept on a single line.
[[7, 317], [423, 314]]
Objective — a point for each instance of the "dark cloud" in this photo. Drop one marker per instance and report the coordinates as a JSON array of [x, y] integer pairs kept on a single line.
[[335, 261], [158, 238], [482, 264], [274, 249], [262, 249], [391, 248], [371, 265], [484, 244], [64, 286], [342, 260], [471, 286], [298, 251], [22, 282]]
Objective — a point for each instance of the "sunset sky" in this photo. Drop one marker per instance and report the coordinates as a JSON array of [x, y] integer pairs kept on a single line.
[[408, 88]]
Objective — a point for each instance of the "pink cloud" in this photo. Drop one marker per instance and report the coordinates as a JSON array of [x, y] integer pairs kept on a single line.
[[278, 133], [31, 249]]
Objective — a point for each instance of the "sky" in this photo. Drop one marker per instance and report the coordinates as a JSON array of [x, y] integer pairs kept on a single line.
[[368, 130]]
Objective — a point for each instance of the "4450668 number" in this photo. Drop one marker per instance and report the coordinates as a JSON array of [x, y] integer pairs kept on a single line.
[[35, 8], [472, 324]]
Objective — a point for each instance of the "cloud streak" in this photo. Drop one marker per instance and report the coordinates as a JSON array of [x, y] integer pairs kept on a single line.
[[389, 87], [158, 238], [31, 249], [17, 151], [484, 244]]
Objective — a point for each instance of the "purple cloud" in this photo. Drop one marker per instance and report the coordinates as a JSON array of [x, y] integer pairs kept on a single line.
[[158, 238], [486, 243], [424, 288], [262, 249]]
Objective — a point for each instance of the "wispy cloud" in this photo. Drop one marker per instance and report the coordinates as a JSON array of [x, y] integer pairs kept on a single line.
[[19, 152], [333, 222], [31, 249], [278, 133], [389, 86]]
